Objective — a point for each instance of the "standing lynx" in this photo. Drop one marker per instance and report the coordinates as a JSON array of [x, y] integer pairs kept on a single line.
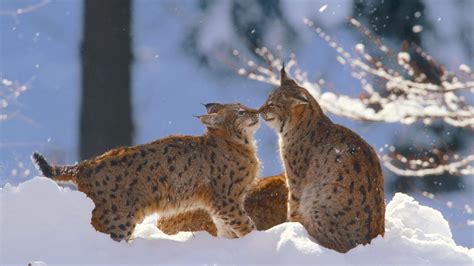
[[265, 203], [172, 175], [334, 177]]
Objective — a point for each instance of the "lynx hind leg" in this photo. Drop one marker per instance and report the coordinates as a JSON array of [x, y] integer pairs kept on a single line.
[[122, 226], [114, 219], [334, 218], [99, 220], [174, 224], [232, 220], [325, 235], [197, 220]]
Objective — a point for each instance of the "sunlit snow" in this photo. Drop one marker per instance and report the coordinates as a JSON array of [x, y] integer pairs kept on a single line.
[[42, 222]]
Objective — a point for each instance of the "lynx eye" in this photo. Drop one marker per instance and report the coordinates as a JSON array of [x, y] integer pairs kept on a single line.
[[241, 112]]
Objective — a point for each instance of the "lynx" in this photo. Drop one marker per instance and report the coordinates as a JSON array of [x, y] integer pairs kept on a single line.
[[172, 175], [334, 177], [265, 203]]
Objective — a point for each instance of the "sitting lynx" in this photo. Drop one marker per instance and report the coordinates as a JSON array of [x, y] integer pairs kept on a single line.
[[172, 175], [334, 177], [265, 204]]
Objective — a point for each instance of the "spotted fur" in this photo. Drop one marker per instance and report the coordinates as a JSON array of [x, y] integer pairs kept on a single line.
[[265, 203], [334, 177], [173, 175]]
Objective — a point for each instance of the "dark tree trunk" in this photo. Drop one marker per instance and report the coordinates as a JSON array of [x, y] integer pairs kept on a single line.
[[106, 111]]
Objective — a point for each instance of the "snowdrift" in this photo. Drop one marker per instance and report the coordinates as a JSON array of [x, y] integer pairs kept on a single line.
[[41, 221]]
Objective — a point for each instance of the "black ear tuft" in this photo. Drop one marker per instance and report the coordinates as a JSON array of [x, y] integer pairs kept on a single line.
[[282, 74], [284, 79]]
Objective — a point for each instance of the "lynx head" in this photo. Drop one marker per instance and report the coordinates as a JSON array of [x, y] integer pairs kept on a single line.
[[234, 121], [288, 105]]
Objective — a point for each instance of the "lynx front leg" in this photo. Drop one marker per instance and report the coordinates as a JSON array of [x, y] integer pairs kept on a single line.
[[294, 214], [232, 221], [221, 222]]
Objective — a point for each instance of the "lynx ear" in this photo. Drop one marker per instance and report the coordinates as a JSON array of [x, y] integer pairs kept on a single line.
[[300, 102], [297, 111], [213, 107], [211, 120], [284, 79], [300, 98], [283, 76]]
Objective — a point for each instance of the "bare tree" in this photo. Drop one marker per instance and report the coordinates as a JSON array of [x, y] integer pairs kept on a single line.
[[106, 111], [409, 97]]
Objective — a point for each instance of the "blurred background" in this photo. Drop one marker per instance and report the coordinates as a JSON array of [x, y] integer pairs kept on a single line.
[[81, 77]]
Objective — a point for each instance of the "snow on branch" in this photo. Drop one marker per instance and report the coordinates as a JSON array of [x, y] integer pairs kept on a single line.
[[24, 10], [402, 166], [409, 93], [9, 93]]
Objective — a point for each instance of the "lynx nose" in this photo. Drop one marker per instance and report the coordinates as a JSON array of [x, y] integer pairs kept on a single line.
[[255, 117]]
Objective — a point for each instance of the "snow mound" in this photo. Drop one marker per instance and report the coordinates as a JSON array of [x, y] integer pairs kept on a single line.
[[42, 222]]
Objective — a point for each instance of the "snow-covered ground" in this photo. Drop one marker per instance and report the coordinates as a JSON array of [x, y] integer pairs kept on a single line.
[[41, 49], [41, 221]]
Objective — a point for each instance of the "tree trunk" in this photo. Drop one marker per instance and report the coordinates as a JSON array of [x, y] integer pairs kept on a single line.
[[106, 111]]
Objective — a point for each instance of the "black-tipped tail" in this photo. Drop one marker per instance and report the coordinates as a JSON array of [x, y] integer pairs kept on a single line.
[[58, 173], [44, 167]]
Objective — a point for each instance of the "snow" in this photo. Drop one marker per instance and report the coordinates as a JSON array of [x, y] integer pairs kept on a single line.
[[465, 68], [42, 222], [360, 47], [322, 8], [417, 28], [158, 83]]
